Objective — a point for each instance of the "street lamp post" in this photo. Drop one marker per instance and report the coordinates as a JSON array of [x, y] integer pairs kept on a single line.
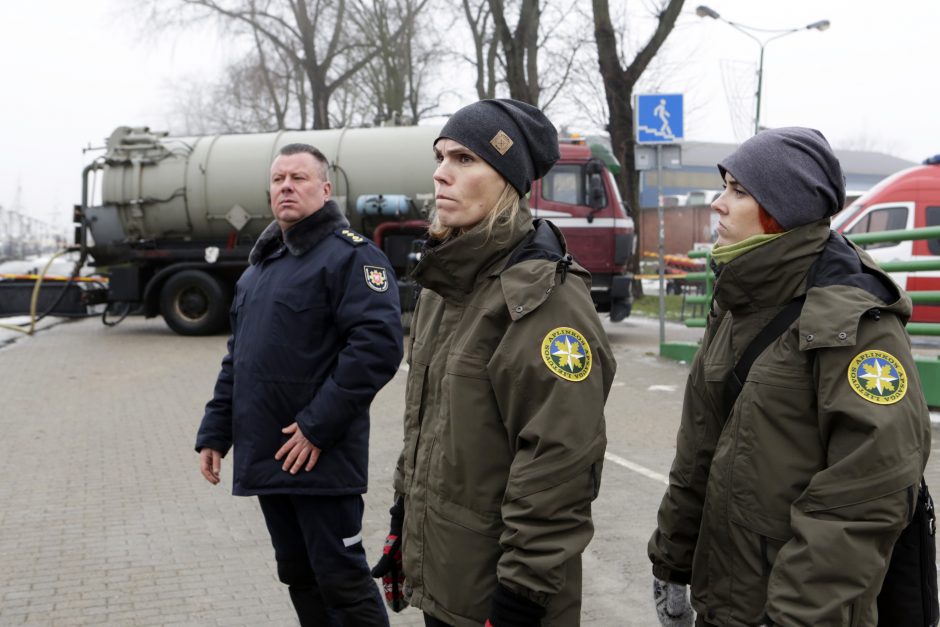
[[704, 11]]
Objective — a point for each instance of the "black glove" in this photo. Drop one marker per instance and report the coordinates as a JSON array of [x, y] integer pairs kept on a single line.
[[511, 610], [389, 567], [672, 604]]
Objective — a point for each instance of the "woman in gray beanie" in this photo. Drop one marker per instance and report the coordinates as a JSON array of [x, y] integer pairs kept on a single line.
[[793, 479], [509, 369]]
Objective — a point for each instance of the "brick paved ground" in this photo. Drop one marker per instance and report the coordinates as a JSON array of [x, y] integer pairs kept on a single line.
[[105, 519]]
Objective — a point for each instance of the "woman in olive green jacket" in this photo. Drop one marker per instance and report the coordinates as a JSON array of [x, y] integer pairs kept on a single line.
[[509, 371], [783, 509]]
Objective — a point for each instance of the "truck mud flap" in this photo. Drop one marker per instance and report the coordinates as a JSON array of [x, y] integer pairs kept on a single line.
[[621, 297]]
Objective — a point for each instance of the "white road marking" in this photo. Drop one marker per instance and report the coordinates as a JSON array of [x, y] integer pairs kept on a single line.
[[642, 470], [662, 388]]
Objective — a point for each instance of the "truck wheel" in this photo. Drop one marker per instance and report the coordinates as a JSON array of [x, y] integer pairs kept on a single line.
[[193, 302]]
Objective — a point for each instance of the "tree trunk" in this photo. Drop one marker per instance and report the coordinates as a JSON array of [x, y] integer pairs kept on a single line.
[[520, 49], [618, 89]]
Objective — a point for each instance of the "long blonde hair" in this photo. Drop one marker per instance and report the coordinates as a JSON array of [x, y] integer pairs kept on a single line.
[[504, 212]]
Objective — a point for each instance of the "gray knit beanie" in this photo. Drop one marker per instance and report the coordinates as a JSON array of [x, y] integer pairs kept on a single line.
[[791, 172], [512, 136]]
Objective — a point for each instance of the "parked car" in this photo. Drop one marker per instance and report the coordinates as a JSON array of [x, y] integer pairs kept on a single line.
[[905, 200]]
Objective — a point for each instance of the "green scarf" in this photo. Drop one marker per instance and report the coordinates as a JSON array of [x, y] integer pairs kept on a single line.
[[724, 254]]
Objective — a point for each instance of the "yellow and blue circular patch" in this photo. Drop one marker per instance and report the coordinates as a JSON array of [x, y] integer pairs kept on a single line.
[[878, 377], [567, 354]]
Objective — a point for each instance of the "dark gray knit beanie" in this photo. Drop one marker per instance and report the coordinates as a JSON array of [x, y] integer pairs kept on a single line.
[[512, 136], [791, 172]]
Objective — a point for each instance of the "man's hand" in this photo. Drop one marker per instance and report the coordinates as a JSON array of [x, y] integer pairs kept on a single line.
[[672, 604], [297, 451], [210, 464]]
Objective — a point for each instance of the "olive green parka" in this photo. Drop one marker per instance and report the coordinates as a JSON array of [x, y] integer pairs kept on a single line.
[[502, 452], [785, 512]]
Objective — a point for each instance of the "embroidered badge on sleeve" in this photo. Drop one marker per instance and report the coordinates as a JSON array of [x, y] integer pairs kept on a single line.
[[878, 377], [567, 354], [376, 278]]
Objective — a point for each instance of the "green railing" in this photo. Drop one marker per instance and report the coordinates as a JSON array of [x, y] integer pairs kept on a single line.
[[708, 277], [928, 367]]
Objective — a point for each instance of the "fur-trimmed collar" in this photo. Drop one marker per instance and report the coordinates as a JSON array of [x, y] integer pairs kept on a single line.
[[302, 236]]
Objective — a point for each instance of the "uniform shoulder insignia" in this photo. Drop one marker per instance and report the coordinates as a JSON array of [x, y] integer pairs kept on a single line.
[[878, 377], [349, 236], [376, 278], [567, 354]]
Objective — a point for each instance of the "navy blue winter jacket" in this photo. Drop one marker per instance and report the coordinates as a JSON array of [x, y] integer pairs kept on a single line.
[[316, 333]]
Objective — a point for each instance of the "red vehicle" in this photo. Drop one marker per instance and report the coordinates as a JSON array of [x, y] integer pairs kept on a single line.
[[905, 200], [581, 197]]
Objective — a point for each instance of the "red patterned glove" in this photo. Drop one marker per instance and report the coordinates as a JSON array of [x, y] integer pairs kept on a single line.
[[393, 579], [389, 565]]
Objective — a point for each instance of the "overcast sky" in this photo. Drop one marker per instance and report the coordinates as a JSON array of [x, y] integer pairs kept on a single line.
[[72, 71]]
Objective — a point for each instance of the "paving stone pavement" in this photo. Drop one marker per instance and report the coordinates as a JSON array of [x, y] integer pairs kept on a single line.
[[105, 519]]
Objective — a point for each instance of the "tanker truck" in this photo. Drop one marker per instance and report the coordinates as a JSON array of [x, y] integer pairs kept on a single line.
[[170, 220]]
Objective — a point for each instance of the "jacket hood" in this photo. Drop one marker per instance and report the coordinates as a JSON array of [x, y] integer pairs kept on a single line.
[[302, 236], [844, 285], [544, 242], [453, 267], [526, 280]]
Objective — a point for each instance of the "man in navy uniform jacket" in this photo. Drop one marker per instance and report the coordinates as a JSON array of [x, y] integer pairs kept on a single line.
[[316, 333]]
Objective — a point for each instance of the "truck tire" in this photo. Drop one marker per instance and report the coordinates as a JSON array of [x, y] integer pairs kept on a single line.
[[193, 302]]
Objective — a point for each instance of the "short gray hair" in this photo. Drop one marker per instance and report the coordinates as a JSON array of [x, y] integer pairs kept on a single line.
[[319, 157]]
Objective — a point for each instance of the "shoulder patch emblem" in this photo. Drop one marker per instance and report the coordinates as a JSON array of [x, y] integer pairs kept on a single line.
[[567, 354], [376, 278], [350, 236], [878, 377]]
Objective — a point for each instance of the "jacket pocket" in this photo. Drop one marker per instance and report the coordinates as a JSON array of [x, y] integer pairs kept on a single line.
[[461, 552], [414, 406], [750, 556], [470, 465], [776, 448], [299, 316]]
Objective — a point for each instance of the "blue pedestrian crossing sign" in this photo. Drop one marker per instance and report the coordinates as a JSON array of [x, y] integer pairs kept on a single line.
[[659, 118]]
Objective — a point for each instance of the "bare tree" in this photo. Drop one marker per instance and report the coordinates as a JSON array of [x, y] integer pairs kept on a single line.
[[512, 42], [619, 82], [485, 45], [309, 39], [394, 80], [520, 48], [258, 92], [564, 38]]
